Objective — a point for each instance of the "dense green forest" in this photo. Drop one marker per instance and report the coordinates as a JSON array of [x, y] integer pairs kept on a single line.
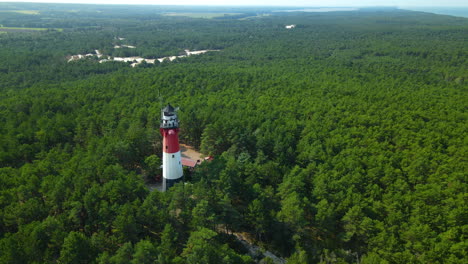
[[342, 140]]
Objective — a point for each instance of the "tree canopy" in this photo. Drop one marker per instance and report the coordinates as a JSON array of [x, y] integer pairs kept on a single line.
[[342, 140]]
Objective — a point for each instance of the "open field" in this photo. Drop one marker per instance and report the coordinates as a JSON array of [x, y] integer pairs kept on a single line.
[[202, 15], [253, 17], [24, 12], [21, 29]]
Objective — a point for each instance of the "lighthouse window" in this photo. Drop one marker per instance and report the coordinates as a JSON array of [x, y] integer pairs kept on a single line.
[[173, 156], [167, 147]]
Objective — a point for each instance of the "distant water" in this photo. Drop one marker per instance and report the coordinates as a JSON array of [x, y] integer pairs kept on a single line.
[[321, 9], [451, 11]]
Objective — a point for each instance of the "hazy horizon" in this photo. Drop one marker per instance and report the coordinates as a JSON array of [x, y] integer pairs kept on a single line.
[[275, 3]]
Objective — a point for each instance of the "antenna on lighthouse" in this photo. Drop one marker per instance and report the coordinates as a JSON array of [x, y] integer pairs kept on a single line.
[[172, 165], [160, 99]]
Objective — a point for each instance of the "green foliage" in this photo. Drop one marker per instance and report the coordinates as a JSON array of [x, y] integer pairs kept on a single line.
[[202, 247], [123, 254], [168, 247], [340, 141], [145, 252], [153, 164], [76, 249]]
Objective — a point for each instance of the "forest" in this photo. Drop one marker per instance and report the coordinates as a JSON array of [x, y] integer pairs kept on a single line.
[[342, 140]]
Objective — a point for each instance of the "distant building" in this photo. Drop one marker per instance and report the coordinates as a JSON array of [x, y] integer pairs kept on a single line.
[[290, 26]]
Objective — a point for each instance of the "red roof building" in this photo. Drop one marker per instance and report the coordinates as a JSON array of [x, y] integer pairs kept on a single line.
[[189, 163]]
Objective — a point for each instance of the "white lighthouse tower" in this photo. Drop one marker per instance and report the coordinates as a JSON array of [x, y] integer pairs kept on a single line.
[[172, 165]]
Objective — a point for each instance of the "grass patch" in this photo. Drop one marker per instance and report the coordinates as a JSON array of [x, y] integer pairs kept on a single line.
[[24, 12], [253, 17], [23, 29], [202, 15]]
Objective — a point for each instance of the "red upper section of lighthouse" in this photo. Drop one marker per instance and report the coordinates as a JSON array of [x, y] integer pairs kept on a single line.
[[170, 140]]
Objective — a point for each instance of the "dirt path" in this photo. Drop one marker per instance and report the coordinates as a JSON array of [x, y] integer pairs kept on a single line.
[[190, 153], [255, 251]]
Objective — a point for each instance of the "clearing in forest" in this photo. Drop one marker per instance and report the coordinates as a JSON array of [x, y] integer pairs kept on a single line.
[[202, 15], [24, 12], [21, 29], [190, 153]]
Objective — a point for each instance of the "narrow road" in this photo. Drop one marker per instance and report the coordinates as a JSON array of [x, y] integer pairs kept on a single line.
[[255, 251]]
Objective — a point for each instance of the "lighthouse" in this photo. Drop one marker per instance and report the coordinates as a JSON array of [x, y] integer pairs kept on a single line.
[[172, 165]]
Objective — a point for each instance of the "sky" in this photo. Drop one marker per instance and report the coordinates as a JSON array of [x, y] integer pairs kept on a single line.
[[302, 3]]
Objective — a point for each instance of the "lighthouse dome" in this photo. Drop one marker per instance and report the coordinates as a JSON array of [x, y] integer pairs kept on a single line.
[[169, 117], [169, 110]]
